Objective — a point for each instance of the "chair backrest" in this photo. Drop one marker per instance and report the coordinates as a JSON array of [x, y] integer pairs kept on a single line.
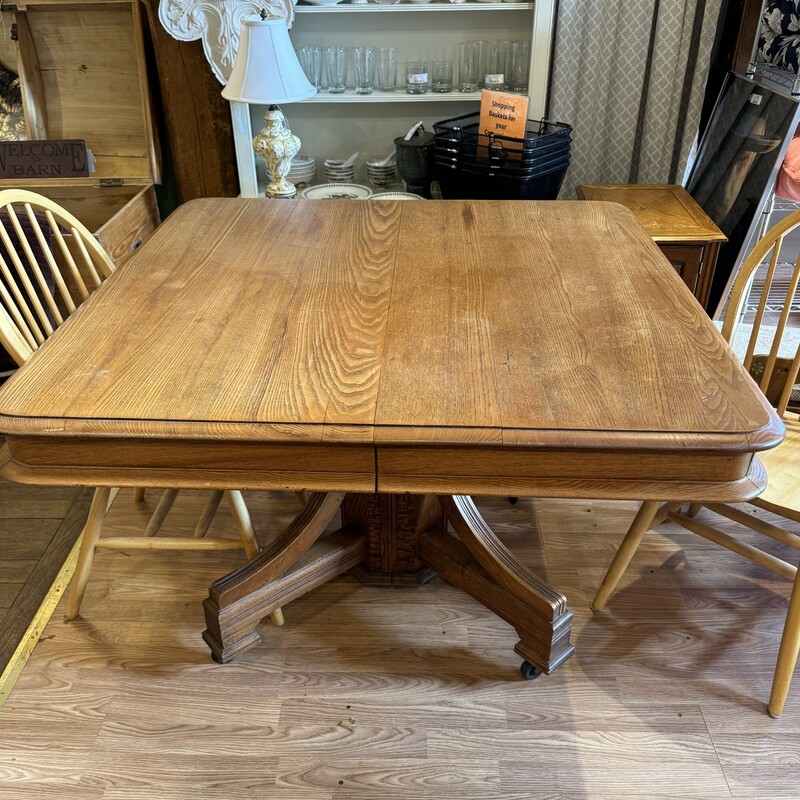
[[769, 245], [49, 264]]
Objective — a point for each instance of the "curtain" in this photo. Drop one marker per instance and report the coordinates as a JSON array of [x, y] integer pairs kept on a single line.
[[630, 77]]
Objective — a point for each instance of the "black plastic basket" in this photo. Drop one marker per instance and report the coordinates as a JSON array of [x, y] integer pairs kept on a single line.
[[464, 184], [491, 170], [496, 150], [463, 132], [542, 162]]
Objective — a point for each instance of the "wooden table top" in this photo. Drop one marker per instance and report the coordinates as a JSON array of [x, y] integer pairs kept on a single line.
[[460, 324], [667, 212]]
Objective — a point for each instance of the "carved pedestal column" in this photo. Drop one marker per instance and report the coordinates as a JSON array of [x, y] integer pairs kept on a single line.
[[392, 524]]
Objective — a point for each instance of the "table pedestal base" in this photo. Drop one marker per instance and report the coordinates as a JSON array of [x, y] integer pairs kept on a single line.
[[390, 540]]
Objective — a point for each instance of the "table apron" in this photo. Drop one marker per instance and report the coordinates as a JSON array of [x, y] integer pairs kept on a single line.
[[363, 468]]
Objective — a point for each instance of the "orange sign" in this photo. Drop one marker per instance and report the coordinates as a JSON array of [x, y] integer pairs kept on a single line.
[[503, 114]]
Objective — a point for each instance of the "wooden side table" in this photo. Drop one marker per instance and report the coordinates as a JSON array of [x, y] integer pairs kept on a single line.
[[686, 235]]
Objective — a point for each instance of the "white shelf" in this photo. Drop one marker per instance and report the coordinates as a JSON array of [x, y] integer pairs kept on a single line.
[[399, 96], [361, 8]]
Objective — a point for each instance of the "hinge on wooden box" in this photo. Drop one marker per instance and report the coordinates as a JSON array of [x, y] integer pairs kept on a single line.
[[13, 30], [106, 182]]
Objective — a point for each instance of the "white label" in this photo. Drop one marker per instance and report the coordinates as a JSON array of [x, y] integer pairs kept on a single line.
[[420, 77], [755, 99], [495, 80]]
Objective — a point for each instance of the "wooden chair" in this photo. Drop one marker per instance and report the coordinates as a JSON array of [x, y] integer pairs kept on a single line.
[[49, 264], [782, 495]]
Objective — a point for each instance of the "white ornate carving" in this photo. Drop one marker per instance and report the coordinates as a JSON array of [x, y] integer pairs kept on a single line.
[[217, 23]]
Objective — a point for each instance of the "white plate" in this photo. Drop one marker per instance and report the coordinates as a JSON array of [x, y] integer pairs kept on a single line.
[[337, 191], [396, 196]]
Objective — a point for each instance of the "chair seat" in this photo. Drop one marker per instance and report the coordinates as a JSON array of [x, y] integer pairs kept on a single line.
[[783, 469]]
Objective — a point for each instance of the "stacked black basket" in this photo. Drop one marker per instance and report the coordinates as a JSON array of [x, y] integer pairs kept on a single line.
[[471, 165]]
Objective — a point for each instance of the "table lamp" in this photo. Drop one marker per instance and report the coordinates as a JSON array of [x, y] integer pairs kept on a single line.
[[267, 72]]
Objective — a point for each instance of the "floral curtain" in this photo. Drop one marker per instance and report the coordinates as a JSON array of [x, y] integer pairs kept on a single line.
[[630, 77]]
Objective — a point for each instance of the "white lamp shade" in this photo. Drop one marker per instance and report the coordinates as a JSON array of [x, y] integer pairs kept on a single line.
[[266, 69]]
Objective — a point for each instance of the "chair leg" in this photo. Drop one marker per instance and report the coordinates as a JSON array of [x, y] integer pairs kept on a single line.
[[276, 617], [91, 533], [301, 498], [138, 494], [641, 524], [209, 511], [787, 654], [241, 516], [160, 514], [245, 526], [693, 510]]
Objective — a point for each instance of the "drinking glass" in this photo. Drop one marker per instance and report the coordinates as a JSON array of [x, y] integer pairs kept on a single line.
[[519, 61], [442, 76], [387, 68], [416, 77], [470, 66], [496, 70], [364, 63], [336, 62], [310, 59]]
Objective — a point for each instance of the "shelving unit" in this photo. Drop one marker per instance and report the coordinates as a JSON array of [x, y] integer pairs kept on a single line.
[[336, 125], [371, 8], [398, 96]]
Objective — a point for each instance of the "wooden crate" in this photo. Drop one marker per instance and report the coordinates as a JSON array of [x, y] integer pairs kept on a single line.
[[83, 75]]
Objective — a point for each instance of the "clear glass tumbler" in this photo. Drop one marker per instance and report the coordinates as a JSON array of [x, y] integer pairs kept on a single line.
[[416, 77], [336, 62], [364, 67], [310, 59], [442, 76], [472, 56], [387, 68], [496, 70], [519, 69]]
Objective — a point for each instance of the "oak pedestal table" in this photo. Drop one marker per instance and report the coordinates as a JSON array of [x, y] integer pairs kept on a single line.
[[393, 359]]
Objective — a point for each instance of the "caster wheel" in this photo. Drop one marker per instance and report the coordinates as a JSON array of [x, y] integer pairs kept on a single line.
[[513, 500], [528, 671]]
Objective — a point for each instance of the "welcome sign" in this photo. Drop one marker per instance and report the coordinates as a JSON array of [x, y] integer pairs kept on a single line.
[[45, 158]]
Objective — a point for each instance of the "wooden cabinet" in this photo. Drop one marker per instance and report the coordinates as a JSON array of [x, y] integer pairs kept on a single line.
[[686, 235], [83, 75]]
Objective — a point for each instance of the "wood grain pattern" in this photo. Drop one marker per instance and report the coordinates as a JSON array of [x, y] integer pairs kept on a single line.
[[93, 82], [30, 77], [458, 323], [667, 212]]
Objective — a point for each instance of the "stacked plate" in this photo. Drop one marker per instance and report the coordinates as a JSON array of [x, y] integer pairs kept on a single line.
[[397, 196], [337, 191], [303, 170], [337, 172], [379, 174]]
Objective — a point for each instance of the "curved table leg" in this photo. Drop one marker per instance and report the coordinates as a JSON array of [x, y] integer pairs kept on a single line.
[[479, 564], [291, 566]]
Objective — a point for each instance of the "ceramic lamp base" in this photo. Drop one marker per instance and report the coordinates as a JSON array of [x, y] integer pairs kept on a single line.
[[277, 145], [281, 192]]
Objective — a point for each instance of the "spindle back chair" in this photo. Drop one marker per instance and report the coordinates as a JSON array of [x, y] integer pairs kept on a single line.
[[49, 264], [777, 372]]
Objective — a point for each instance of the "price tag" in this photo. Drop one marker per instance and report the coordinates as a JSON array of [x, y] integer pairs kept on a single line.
[[494, 80], [420, 77]]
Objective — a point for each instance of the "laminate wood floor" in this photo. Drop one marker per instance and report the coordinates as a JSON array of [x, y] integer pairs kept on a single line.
[[386, 693], [38, 527]]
